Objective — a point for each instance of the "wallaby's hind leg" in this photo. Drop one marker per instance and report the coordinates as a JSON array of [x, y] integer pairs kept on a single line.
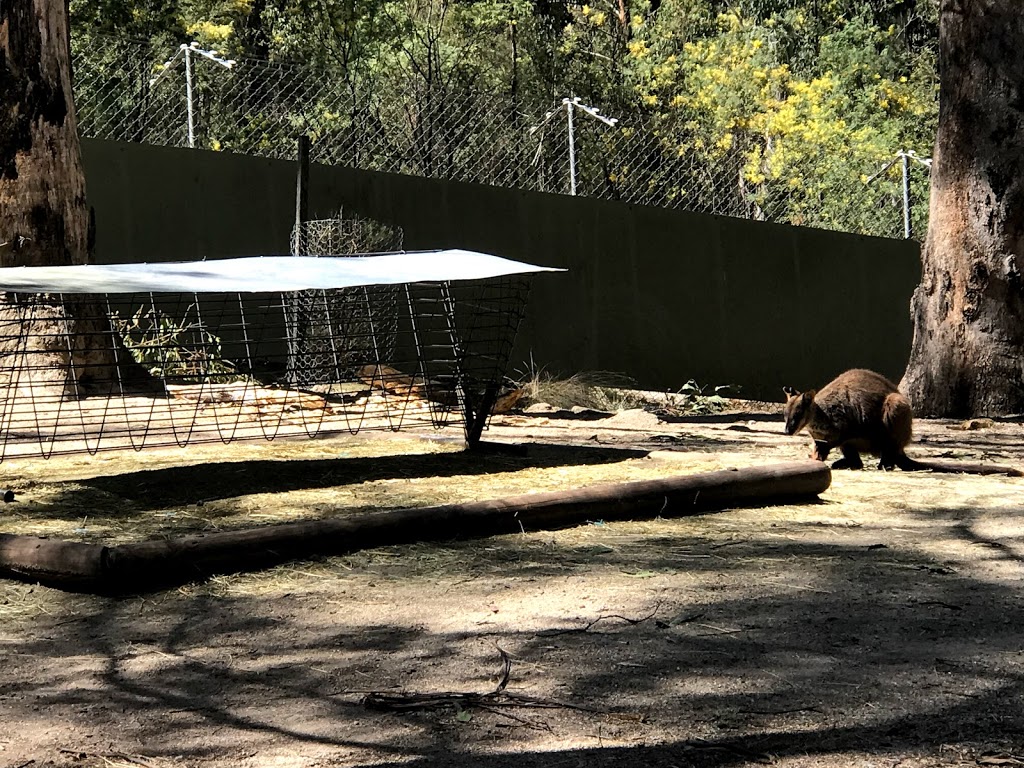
[[907, 464], [888, 460], [898, 419], [892, 455], [851, 459]]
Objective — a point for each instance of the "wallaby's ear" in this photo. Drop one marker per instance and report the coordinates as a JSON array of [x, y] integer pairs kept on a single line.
[[789, 392], [810, 394]]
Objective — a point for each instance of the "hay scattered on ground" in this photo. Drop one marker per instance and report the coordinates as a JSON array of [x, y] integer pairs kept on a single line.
[[121, 497]]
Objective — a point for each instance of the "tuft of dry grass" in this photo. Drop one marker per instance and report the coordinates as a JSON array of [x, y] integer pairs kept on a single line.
[[599, 390]]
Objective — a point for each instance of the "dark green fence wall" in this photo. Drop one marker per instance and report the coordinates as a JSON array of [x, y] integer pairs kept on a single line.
[[661, 295]]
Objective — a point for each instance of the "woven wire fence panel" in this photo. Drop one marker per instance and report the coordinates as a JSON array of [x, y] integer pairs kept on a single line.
[[89, 373], [123, 92], [368, 314]]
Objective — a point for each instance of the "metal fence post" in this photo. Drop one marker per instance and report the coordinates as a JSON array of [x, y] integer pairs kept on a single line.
[[188, 96], [572, 147], [906, 194]]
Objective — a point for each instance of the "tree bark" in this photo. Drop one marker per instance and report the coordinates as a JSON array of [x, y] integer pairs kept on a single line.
[[967, 357], [47, 343]]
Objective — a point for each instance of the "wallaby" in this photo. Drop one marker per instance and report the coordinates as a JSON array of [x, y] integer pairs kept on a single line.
[[858, 411], [861, 411]]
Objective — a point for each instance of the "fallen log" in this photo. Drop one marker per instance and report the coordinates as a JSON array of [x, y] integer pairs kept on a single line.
[[146, 565]]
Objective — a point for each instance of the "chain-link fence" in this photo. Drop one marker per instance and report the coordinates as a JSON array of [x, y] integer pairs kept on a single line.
[[124, 91]]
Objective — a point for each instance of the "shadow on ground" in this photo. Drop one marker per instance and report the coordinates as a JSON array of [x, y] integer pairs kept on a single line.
[[770, 648], [175, 486]]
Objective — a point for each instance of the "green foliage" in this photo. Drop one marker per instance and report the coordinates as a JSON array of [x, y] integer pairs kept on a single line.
[[172, 349], [804, 126], [693, 399]]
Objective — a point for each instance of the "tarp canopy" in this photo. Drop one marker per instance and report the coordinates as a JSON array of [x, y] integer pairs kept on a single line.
[[264, 274]]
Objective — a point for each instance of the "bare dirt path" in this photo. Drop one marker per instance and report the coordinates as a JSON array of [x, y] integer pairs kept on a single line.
[[879, 627]]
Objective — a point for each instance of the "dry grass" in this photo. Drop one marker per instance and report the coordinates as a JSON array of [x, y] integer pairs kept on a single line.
[[122, 497]]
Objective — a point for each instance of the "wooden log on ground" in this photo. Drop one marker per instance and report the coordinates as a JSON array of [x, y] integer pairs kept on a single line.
[[167, 562], [70, 565]]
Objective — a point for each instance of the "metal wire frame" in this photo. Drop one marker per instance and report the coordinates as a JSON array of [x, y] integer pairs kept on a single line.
[[83, 373]]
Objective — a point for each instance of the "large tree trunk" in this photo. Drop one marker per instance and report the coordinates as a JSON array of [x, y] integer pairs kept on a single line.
[[47, 343], [968, 352]]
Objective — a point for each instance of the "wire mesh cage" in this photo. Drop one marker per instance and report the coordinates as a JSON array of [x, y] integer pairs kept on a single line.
[[369, 315], [94, 372]]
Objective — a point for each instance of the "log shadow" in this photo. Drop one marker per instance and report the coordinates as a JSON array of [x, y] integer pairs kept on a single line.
[[174, 486]]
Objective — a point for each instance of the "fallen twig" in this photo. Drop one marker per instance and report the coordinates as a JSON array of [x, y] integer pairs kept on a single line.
[[711, 746], [521, 720], [499, 697], [941, 604], [778, 711], [591, 625], [109, 757]]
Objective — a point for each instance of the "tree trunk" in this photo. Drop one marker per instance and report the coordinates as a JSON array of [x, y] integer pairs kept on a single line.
[[47, 343], [967, 357]]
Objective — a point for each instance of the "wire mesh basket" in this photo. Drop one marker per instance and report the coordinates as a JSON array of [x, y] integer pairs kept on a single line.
[[92, 372]]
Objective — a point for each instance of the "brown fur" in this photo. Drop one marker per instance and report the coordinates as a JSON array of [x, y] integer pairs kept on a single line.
[[859, 411]]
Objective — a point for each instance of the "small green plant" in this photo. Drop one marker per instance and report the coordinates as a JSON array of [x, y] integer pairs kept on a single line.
[[172, 348], [692, 399]]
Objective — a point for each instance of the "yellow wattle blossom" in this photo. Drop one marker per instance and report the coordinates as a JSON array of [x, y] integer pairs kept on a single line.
[[638, 48], [209, 32]]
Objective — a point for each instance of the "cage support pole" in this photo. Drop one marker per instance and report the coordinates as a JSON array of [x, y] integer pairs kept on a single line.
[[294, 328], [163, 563]]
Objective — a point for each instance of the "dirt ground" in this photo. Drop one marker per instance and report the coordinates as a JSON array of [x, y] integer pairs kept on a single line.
[[881, 626]]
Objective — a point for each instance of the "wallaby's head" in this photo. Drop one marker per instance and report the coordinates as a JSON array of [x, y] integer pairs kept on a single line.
[[799, 407]]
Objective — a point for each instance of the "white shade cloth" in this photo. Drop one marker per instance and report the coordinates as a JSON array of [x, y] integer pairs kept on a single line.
[[259, 274]]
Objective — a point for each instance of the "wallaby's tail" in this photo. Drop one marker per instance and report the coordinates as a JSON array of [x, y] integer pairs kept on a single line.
[[908, 464]]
